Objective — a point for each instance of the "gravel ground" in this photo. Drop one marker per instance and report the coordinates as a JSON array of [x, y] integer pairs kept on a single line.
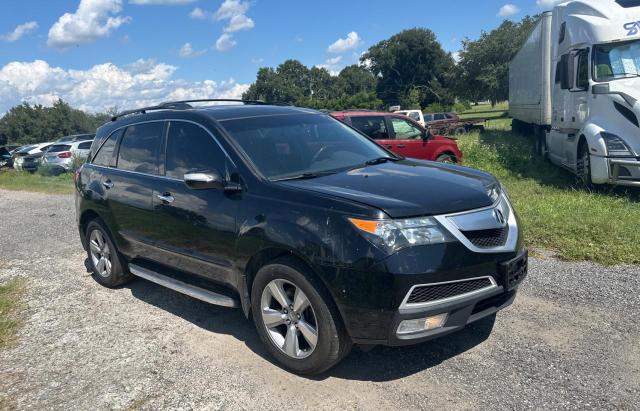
[[571, 340]]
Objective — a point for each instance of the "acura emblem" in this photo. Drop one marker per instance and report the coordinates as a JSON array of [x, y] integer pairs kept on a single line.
[[499, 216]]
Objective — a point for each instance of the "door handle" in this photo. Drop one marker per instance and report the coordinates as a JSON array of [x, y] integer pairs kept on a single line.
[[107, 184], [166, 197], [400, 146], [389, 146]]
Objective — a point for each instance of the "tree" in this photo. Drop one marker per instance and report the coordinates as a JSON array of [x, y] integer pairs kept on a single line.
[[483, 69], [412, 66], [357, 79], [27, 124]]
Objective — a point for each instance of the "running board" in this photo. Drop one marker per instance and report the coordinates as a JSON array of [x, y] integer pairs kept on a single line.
[[184, 288]]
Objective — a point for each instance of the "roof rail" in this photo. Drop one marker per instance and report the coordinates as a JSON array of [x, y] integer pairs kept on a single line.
[[182, 105]]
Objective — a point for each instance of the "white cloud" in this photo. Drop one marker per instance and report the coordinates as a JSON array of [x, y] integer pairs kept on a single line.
[[20, 31], [508, 10], [332, 65], [92, 20], [198, 13], [548, 3], [160, 2], [233, 11], [456, 56], [103, 86], [231, 8], [239, 22], [225, 42], [187, 51], [352, 41]]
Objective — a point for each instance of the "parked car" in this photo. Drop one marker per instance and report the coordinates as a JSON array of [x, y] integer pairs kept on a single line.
[[6, 156], [63, 155], [321, 236], [75, 137], [402, 135], [415, 115], [28, 158]]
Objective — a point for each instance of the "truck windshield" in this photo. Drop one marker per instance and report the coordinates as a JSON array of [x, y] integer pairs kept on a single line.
[[617, 60]]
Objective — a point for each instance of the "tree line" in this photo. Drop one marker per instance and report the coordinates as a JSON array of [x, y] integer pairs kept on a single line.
[[410, 69]]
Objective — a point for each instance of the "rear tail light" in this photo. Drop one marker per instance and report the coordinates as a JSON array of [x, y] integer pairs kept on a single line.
[[65, 154]]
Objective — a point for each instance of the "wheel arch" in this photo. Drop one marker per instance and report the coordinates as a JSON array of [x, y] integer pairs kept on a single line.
[[86, 217]]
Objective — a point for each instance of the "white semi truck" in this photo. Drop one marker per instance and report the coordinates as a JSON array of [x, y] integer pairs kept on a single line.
[[576, 83]]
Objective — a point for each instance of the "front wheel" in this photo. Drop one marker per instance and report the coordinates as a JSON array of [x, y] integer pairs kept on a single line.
[[446, 158], [297, 324], [583, 166]]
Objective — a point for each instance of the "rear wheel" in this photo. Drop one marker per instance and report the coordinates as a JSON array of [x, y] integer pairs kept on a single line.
[[107, 265], [296, 322], [459, 131]]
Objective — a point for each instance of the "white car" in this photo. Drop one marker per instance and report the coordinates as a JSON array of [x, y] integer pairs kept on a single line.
[[28, 157], [63, 154], [415, 115]]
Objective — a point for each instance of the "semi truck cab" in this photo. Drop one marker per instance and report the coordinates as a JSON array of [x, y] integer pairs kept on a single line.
[[591, 125]]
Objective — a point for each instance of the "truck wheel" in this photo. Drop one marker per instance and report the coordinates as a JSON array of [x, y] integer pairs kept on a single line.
[[446, 158], [295, 320], [460, 131], [541, 144], [106, 263], [583, 166]]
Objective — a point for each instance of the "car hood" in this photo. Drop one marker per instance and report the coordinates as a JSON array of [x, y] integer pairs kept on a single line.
[[407, 188]]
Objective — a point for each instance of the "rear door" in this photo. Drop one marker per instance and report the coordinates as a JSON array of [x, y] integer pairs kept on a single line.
[[408, 138], [194, 230], [129, 187], [376, 128]]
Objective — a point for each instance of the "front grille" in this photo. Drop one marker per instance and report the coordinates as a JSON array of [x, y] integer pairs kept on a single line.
[[430, 293], [495, 237]]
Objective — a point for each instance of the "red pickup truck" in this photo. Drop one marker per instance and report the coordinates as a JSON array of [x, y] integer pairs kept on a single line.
[[402, 135]]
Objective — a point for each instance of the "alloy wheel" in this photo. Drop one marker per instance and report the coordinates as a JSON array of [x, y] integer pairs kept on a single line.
[[100, 253], [289, 318]]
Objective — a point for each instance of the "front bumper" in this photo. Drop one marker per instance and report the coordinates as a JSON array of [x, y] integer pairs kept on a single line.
[[624, 171]]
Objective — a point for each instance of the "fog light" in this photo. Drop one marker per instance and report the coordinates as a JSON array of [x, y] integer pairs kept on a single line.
[[422, 324]]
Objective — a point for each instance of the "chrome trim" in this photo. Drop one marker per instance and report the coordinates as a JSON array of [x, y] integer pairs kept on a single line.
[[448, 221], [184, 288], [405, 305], [199, 177]]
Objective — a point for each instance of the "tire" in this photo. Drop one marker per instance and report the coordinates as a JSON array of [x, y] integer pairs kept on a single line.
[[112, 272], [540, 142], [583, 167], [460, 131], [285, 337], [446, 158]]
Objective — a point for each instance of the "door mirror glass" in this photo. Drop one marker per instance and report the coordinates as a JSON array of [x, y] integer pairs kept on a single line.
[[200, 180]]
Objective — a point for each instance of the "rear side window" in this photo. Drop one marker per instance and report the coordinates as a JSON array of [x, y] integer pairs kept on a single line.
[[59, 148], [374, 127], [84, 146], [139, 148], [438, 116], [414, 115], [428, 117], [191, 148], [104, 157]]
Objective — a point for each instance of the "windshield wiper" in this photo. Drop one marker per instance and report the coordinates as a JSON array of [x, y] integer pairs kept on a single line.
[[303, 176], [380, 160]]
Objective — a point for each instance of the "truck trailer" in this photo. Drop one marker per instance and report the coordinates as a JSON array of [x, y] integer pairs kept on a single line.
[[576, 84]]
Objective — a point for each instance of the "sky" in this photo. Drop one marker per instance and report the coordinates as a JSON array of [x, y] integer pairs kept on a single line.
[[99, 54]]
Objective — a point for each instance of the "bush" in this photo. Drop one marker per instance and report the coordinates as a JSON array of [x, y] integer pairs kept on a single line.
[[77, 162], [458, 107]]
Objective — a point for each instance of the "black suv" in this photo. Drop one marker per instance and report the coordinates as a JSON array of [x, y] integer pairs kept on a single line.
[[320, 235]]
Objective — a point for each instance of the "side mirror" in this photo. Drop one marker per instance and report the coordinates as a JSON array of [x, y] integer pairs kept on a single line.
[[204, 180]]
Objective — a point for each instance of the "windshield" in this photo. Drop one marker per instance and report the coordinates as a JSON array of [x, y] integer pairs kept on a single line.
[[617, 60], [302, 144]]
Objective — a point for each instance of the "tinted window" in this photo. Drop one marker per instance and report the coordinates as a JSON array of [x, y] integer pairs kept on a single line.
[[43, 149], [374, 127], [559, 72], [191, 148], [105, 155], [58, 148], [139, 148], [428, 117], [405, 130], [582, 80], [292, 145], [449, 116], [84, 146], [438, 116]]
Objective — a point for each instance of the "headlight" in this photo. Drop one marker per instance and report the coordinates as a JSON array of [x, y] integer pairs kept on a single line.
[[493, 191], [393, 235], [616, 146]]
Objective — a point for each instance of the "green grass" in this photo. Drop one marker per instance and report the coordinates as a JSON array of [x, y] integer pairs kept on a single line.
[[10, 295], [599, 226], [24, 181], [486, 111]]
